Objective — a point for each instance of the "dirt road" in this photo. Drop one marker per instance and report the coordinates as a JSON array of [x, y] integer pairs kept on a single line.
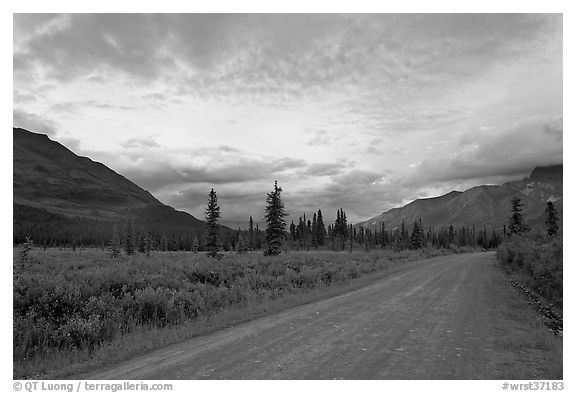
[[454, 317]]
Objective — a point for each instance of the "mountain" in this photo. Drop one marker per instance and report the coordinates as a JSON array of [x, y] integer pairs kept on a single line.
[[48, 176], [487, 205]]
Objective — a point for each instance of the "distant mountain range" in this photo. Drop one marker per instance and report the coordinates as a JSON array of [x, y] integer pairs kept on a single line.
[[48, 176], [56, 190], [487, 205]]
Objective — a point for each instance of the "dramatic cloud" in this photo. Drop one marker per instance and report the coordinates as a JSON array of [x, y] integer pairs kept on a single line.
[[362, 112], [493, 152]]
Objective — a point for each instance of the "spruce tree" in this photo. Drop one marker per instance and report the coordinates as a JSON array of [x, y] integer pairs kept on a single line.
[[147, 243], [404, 237], [516, 222], [417, 238], [351, 233], [340, 230], [384, 237], [195, 245], [25, 250], [300, 232], [451, 236], [293, 232], [212, 216], [321, 229], [551, 219], [141, 242], [275, 224], [251, 234], [129, 239], [115, 244], [258, 241], [314, 231], [239, 245]]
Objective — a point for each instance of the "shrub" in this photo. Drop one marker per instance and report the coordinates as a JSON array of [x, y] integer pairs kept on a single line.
[[69, 301], [537, 261]]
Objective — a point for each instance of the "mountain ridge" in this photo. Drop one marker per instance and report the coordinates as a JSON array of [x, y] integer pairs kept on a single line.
[[484, 205], [49, 176]]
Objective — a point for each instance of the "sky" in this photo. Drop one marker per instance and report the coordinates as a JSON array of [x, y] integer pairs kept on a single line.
[[363, 112]]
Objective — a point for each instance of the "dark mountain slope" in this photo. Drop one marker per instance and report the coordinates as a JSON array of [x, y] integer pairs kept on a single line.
[[46, 175]]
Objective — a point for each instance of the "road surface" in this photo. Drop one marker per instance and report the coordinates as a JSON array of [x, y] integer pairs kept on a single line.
[[443, 319]]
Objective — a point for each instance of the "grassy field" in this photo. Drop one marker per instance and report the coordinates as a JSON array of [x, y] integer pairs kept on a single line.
[[77, 309]]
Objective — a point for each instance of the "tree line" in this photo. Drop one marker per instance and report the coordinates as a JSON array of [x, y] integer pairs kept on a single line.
[[52, 230]]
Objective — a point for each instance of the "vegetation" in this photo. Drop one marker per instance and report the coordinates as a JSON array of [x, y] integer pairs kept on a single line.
[[129, 239], [72, 305], [115, 244], [535, 259], [276, 226], [551, 219], [339, 236], [516, 224], [212, 216], [417, 238]]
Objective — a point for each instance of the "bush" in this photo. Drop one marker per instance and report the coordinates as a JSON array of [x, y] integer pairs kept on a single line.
[[69, 301], [537, 261]]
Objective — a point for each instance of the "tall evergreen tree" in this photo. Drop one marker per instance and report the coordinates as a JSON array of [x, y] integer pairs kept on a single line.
[[258, 241], [314, 231], [147, 243], [115, 243], [451, 235], [351, 234], [551, 219], [293, 232], [321, 229], [417, 238], [251, 240], [212, 216], [141, 241], [384, 237], [516, 223], [404, 236], [300, 232], [129, 239], [195, 245], [276, 226], [25, 258], [340, 229]]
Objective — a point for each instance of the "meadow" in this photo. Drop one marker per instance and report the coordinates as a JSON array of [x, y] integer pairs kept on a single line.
[[73, 310]]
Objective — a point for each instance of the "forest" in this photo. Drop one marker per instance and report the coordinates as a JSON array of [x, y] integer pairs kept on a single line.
[[47, 229]]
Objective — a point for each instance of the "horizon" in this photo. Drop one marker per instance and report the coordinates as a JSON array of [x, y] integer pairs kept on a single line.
[[369, 112], [329, 219]]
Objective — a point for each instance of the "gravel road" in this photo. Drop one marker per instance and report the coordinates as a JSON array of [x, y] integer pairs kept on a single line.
[[442, 319]]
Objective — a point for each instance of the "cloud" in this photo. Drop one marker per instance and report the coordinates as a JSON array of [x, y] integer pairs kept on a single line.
[[125, 42], [261, 97], [362, 194], [494, 152], [75, 106], [277, 56], [320, 138], [135, 143], [20, 97], [35, 123], [326, 169], [211, 166]]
